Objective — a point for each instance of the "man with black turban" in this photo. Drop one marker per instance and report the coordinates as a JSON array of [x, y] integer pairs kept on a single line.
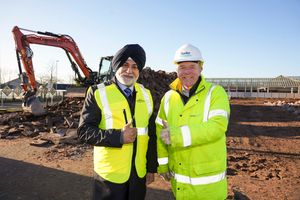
[[117, 119]]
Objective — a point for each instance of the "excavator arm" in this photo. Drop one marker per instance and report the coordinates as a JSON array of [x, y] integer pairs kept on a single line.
[[24, 53]]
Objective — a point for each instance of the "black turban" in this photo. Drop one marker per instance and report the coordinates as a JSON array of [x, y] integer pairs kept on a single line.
[[134, 51]]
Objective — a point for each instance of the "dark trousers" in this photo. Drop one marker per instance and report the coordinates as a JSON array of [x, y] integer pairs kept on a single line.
[[133, 189]]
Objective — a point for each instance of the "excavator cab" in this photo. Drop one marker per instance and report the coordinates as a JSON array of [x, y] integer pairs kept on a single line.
[[106, 72]]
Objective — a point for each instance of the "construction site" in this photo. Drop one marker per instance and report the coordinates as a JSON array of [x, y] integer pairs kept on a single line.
[[42, 157]]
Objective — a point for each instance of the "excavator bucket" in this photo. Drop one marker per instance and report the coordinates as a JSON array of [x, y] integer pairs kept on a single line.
[[34, 106]]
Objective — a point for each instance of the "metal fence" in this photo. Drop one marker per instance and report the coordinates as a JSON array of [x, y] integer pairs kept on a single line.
[[264, 95], [8, 94]]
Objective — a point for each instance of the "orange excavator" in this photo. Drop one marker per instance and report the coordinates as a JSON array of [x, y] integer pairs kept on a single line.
[[66, 42]]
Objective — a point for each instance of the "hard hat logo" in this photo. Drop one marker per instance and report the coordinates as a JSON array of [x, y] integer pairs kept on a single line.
[[188, 52]]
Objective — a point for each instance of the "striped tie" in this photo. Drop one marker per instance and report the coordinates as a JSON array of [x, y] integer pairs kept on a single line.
[[128, 93]]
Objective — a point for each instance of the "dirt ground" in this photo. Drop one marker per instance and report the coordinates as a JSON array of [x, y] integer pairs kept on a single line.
[[263, 160]]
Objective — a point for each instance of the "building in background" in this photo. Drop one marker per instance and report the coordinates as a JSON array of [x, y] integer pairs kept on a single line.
[[279, 87]]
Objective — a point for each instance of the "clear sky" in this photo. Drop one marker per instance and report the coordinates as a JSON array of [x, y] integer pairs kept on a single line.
[[238, 38]]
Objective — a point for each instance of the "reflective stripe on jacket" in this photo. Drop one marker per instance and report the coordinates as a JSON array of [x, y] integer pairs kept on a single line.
[[197, 154], [114, 164]]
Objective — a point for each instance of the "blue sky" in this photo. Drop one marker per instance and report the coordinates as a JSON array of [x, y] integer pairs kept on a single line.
[[238, 38]]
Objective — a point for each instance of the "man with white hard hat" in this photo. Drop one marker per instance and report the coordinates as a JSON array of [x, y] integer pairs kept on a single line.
[[191, 126]]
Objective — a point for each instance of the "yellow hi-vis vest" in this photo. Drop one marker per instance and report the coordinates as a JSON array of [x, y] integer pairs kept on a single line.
[[114, 164], [197, 154]]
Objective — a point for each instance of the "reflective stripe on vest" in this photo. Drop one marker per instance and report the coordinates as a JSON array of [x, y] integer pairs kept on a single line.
[[142, 131], [185, 130], [217, 112], [207, 104], [166, 102], [201, 180], [147, 99], [186, 135], [106, 108], [158, 120], [163, 161], [114, 164], [107, 111]]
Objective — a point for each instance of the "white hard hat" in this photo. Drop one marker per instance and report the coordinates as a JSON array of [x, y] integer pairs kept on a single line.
[[188, 52]]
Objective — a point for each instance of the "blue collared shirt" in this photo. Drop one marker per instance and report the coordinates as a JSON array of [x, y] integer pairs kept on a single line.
[[123, 87]]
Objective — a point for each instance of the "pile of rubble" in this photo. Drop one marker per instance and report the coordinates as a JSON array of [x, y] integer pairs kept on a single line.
[[158, 82], [292, 106], [58, 127]]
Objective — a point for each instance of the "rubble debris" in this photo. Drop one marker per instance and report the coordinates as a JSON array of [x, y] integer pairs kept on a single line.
[[158, 82], [59, 125], [71, 151], [41, 143], [290, 106], [239, 195], [255, 166], [64, 115]]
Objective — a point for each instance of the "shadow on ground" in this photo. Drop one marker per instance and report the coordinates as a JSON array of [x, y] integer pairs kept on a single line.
[[26, 181], [21, 180]]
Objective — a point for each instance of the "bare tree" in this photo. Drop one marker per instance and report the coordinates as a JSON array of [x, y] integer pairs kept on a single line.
[[52, 72], [49, 78]]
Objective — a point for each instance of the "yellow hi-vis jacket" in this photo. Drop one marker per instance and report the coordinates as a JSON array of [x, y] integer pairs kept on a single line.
[[114, 164], [197, 154]]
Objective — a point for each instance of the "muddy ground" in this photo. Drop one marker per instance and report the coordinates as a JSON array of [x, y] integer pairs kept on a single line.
[[263, 160]]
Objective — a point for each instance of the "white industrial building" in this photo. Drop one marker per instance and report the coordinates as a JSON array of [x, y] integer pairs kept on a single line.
[[279, 87]]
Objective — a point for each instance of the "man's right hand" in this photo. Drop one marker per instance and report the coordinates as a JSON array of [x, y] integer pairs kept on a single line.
[[129, 133]]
